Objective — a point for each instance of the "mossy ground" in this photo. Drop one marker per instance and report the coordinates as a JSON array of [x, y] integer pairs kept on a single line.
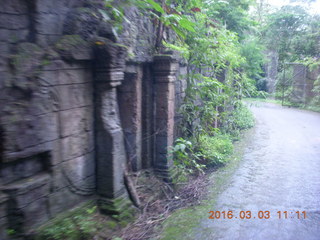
[[84, 223]]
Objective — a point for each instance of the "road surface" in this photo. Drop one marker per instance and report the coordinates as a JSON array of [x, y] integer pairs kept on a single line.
[[276, 188], [280, 172]]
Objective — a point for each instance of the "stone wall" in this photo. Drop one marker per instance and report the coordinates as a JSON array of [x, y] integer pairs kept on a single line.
[[76, 108], [303, 79], [299, 83], [271, 70], [46, 117], [48, 141], [312, 76]]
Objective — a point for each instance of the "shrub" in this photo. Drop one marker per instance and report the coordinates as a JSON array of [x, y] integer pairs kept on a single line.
[[186, 161], [215, 149], [239, 119]]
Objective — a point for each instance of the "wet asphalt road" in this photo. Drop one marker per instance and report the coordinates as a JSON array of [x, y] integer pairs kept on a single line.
[[280, 172]]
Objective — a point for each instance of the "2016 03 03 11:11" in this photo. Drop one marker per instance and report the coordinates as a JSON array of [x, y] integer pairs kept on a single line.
[[257, 215]]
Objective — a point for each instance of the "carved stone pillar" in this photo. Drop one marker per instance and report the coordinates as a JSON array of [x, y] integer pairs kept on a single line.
[[164, 69], [110, 150], [130, 102]]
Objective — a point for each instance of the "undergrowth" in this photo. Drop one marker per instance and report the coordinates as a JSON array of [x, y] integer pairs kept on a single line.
[[212, 148], [78, 224], [215, 149]]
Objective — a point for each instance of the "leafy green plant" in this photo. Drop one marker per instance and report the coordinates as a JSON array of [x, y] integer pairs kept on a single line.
[[316, 90], [239, 119], [185, 159], [11, 232], [215, 149]]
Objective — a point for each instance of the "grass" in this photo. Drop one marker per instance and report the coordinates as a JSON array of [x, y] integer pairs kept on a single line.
[[286, 103]]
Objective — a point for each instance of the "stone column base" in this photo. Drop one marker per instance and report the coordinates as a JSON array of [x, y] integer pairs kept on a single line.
[[166, 174], [116, 206]]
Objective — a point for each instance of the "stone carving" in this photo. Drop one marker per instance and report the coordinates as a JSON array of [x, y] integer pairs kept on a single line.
[[110, 151], [164, 68], [61, 136]]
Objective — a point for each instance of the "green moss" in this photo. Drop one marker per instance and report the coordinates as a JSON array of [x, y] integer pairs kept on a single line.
[[73, 225], [121, 209], [111, 224], [28, 56], [215, 149], [69, 42]]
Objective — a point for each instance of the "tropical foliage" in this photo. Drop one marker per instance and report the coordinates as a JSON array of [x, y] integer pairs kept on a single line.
[[224, 43]]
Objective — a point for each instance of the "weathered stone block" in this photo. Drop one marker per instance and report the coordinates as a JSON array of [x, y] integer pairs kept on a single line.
[[15, 36], [164, 127], [14, 6], [63, 200], [164, 161], [46, 40], [55, 152], [44, 101], [163, 78], [110, 58], [113, 78], [4, 78], [75, 95], [48, 6], [26, 62], [53, 65], [12, 21], [163, 65], [81, 168], [163, 144], [110, 152], [76, 120], [28, 203], [3, 206], [166, 90], [313, 74], [3, 228], [73, 47], [4, 33], [164, 69], [58, 180], [22, 168], [136, 36], [83, 22], [35, 213], [77, 145], [75, 74], [47, 23], [115, 205], [165, 109], [28, 190], [25, 131]]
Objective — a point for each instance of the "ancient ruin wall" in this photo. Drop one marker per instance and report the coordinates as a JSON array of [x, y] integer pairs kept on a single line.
[[74, 109], [46, 116]]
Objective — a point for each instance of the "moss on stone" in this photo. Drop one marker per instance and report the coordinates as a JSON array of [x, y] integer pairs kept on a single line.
[[111, 224], [27, 59], [73, 47], [68, 42], [78, 223]]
